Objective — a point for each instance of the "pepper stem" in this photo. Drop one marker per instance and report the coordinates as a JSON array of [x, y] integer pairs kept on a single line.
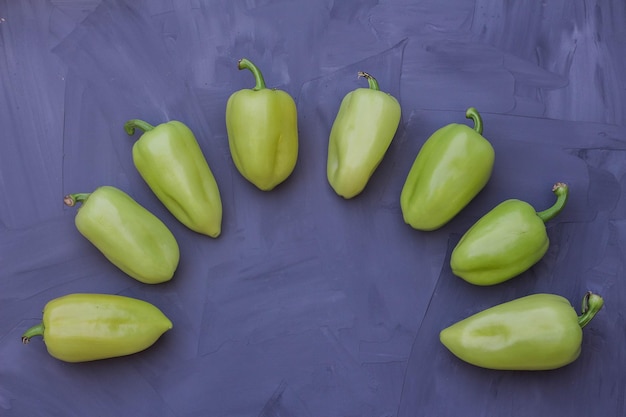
[[472, 113], [133, 124], [36, 330], [70, 200], [592, 303], [373, 84], [244, 63], [561, 190]]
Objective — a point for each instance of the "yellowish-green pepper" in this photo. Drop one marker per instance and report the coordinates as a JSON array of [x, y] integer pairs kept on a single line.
[[451, 168], [360, 136], [536, 332], [168, 157], [262, 127], [87, 327], [127, 234], [506, 241]]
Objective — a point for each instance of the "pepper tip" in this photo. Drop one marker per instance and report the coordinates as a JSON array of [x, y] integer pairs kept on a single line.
[[130, 130], [472, 113], [69, 201]]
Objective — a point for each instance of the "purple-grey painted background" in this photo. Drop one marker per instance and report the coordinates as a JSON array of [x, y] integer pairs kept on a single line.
[[309, 305]]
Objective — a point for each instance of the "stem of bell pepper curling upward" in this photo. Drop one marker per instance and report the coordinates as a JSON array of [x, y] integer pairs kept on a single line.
[[561, 191], [373, 84], [472, 113], [592, 303], [258, 76], [133, 124]]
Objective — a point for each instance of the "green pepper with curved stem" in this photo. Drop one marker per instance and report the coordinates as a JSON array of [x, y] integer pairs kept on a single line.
[[360, 136], [127, 234], [170, 160], [262, 128], [536, 332], [506, 241], [451, 168], [88, 327]]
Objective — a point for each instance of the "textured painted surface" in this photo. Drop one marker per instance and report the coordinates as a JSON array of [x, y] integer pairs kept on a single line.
[[310, 305]]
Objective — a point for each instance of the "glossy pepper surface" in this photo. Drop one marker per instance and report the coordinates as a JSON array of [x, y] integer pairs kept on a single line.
[[451, 168], [87, 327], [536, 332], [360, 136], [262, 127], [506, 241], [168, 157], [128, 235]]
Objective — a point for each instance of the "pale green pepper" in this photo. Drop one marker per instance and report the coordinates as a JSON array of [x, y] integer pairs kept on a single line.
[[451, 168], [127, 234], [360, 136], [262, 128], [87, 327], [506, 241], [536, 332], [168, 157]]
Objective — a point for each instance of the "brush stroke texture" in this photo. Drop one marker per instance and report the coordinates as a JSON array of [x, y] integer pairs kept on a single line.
[[308, 304]]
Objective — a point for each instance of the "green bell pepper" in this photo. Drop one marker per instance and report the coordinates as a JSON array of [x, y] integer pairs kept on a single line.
[[506, 241], [451, 168], [170, 160], [360, 136], [262, 128], [127, 234], [536, 332], [87, 327]]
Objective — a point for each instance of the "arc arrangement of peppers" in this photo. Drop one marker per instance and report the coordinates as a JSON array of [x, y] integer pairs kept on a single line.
[[452, 167]]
